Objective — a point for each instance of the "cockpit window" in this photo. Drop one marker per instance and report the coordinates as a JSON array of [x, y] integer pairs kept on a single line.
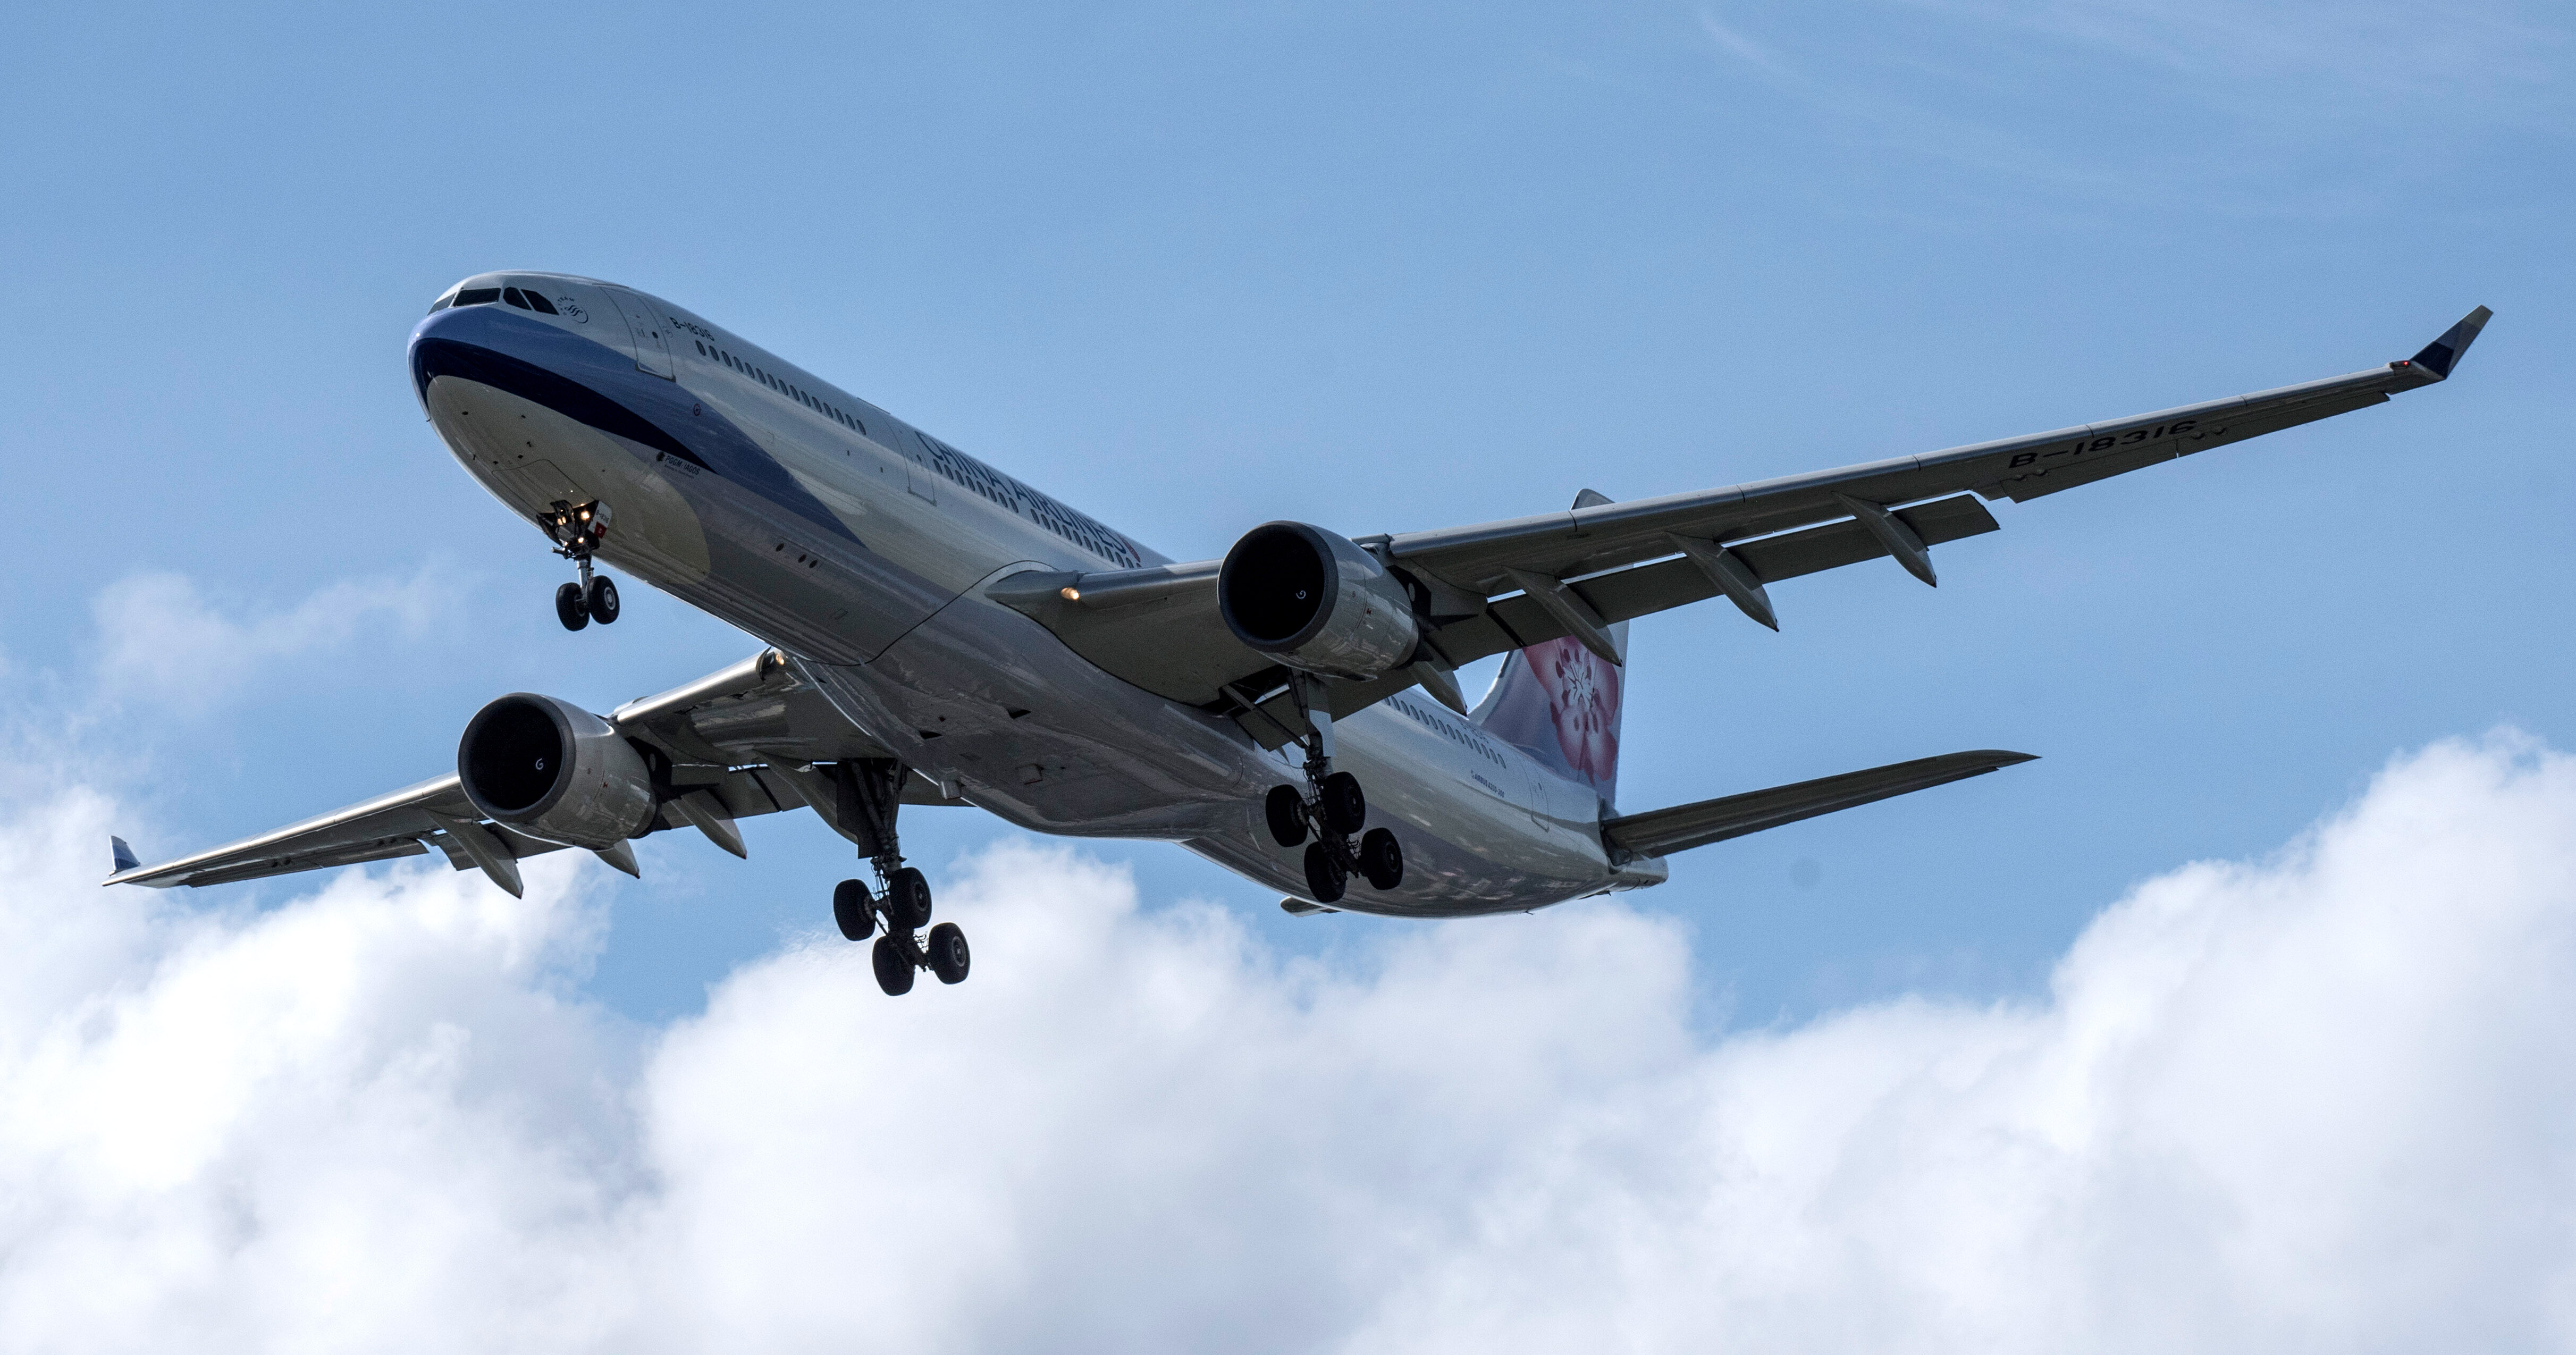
[[442, 303], [478, 296], [511, 295], [538, 300]]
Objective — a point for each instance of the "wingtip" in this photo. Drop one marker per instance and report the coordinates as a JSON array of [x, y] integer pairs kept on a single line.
[[121, 858], [2441, 355]]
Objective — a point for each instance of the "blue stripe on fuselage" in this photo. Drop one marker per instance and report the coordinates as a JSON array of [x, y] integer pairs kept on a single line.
[[594, 384]]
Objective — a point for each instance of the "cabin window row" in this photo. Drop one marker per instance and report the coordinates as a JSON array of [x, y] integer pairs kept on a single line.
[[1006, 492], [787, 388], [1449, 731]]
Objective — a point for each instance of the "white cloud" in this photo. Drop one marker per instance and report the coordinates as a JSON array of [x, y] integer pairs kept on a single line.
[[160, 638], [2316, 1102]]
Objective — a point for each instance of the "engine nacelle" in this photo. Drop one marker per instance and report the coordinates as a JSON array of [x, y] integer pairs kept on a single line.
[[555, 772], [1316, 601]]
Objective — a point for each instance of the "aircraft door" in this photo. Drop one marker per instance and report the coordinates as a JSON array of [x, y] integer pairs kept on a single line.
[[923, 481], [652, 352]]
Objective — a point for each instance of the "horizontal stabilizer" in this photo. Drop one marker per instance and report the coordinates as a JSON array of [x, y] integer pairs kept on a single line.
[[1662, 832]]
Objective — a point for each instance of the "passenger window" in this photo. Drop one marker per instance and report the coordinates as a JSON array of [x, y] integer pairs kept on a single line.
[[511, 295], [478, 296], [538, 300]]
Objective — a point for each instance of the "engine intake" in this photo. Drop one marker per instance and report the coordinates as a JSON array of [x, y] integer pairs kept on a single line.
[[1316, 601], [555, 772]]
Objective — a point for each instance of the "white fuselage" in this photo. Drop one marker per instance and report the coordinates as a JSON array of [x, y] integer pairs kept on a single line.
[[860, 546]]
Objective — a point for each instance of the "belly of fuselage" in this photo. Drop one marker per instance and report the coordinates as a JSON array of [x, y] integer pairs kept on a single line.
[[979, 696], [686, 529]]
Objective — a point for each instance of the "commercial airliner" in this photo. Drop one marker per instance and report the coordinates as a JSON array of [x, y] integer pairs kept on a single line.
[[938, 632]]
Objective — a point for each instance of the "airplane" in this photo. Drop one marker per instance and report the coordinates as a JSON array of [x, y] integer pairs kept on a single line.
[[937, 632]]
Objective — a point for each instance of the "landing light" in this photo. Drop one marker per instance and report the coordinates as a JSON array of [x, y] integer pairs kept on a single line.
[[1070, 594]]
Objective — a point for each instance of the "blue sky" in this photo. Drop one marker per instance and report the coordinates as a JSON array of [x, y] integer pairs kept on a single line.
[[1192, 268]]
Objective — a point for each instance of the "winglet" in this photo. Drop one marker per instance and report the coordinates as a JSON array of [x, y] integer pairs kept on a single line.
[[125, 858], [2443, 353]]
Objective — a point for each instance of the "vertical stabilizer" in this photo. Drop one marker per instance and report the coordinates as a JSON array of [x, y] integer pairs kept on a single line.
[[1560, 703]]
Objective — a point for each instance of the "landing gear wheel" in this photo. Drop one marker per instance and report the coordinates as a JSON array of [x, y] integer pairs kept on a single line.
[[569, 607], [949, 958], [1345, 809], [894, 968], [1381, 859], [1325, 878], [1286, 811], [601, 598], [907, 900], [855, 909]]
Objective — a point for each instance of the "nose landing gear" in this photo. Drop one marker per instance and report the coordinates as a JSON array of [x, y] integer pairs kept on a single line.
[[576, 530]]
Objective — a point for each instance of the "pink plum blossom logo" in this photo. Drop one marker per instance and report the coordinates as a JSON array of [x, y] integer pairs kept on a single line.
[[1583, 701]]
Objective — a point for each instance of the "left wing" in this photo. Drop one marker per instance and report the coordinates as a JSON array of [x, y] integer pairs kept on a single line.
[[1500, 586], [753, 736]]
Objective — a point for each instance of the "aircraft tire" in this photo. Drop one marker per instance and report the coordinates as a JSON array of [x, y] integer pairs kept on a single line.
[[1286, 811], [949, 957], [908, 900], [1382, 859], [570, 609], [1345, 809], [601, 599], [855, 909], [894, 971], [1325, 878]]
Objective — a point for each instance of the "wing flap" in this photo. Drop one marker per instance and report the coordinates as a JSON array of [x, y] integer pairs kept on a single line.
[[1662, 832], [1626, 594]]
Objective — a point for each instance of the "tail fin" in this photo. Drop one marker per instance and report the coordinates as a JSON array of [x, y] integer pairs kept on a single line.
[[1560, 703]]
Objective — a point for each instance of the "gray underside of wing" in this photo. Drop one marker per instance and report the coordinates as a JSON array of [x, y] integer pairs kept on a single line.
[[1590, 539], [748, 735], [388, 826], [1662, 832], [1160, 627]]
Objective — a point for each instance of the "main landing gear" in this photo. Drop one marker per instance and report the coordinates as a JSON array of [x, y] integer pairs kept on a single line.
[[1332, 810], [871, 791], [577, 529]]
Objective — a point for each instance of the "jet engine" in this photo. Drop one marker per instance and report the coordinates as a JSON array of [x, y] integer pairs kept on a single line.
[[1316, 601], [555, 772]]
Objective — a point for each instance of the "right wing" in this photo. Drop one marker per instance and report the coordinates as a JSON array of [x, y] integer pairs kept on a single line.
[[1661, 832], [749, 735]]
